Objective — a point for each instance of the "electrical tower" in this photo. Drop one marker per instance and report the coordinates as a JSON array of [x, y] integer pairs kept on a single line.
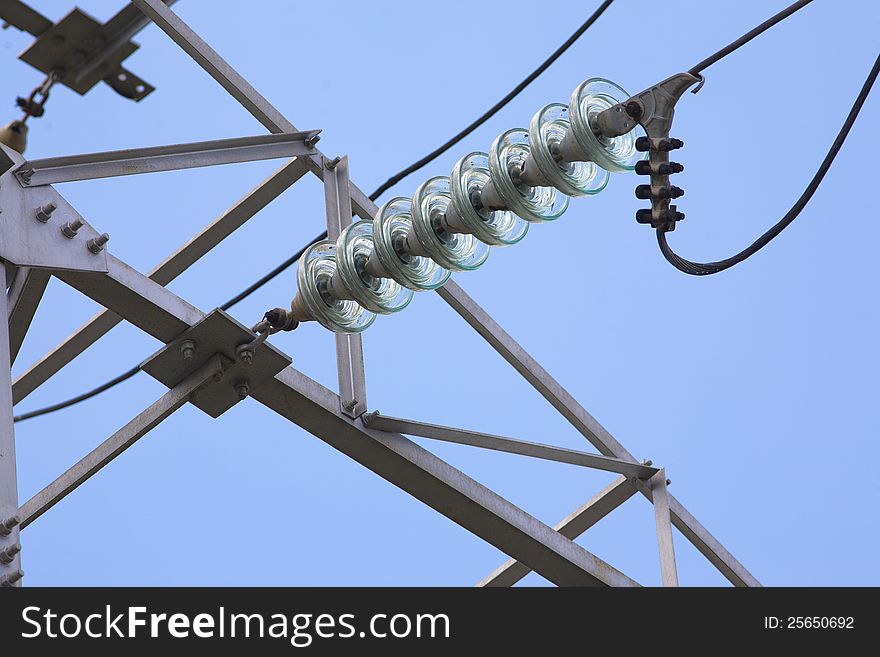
[[213, 362]]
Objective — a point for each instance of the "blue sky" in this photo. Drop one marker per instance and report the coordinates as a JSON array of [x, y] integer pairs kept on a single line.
[[755, 388]]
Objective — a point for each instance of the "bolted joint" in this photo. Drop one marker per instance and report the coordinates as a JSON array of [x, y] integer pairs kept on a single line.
[[665, 192], [188, 349], [331, 164], [96, 244], [11, 578], [633, 109], [71, 228], [6, 526], [646, 168], [45, 211], [645, 144], [242, 388], [7, 555]]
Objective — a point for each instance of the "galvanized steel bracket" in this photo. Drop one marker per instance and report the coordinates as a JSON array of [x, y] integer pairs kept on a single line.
[[220, 334]]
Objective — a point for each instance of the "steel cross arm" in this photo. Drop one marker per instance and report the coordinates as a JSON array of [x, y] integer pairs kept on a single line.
[[588, 426], [375, 420], [23, 298], [50, 171], [164, 273], [402, 462], [120, 441], [572, 526], [274, 121]]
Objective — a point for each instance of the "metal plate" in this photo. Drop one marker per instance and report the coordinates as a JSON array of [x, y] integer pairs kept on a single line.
[[217, 333], [68, 45], [26, 242]]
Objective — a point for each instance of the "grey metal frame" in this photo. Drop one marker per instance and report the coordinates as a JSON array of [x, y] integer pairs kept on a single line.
[[338, 418]]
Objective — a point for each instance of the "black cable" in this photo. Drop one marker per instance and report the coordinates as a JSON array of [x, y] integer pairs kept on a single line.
[[79, 398], [376, 194], [415, 166], [704, 269], [748, 36]]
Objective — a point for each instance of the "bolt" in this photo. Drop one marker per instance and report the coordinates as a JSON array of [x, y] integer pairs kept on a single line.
[[634, 109], [350, 404], [96, 244], [7, 556], [71, 228], [648, 462], [247, 356], [45, 211], [314, 139], [331, 164], [188, 349], [218, 377], [242, 387], [669, 482], [9, 524], [11, 578]]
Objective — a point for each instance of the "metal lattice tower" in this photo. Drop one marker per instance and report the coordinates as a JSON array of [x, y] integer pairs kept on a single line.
[[42, 235]]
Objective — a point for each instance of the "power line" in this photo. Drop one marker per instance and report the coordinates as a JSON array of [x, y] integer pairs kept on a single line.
[[393, 180], [748, 36], [704, 269]]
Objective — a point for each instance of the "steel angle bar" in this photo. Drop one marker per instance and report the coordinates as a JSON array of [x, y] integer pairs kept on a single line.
[[239, 88], [375, 420], [668, 571], [206, 57], [10, 573], [572, 526], [127, 22], [50, 171], [393, 457], [23, 298], [349, 348], [588, 426], [169, 269], [436, 483], [120, 441]]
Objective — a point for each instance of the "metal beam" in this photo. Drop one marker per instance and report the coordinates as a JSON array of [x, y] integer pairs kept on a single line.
[[402, 462], [50, 171], [668, 571], [436, 483], [169, 269], [120, 441], [572, 526], [375, 420], [349, 348], [10, 573], [21, 16], [588, 426], [239, 88], [22, 300], [206, 57], [127, 22]]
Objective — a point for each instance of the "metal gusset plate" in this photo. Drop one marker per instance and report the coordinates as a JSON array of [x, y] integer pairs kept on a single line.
[[70, 44], [30, 239], [217, 333]]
